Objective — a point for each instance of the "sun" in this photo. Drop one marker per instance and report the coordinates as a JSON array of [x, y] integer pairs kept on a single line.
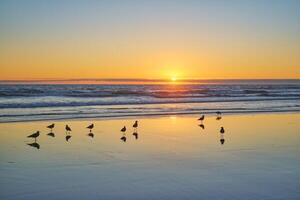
[[174, 78]]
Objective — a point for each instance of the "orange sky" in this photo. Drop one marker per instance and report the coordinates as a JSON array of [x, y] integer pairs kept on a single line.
[[131, 40]]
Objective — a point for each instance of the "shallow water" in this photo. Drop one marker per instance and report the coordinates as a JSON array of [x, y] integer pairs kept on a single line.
[[173, 158]]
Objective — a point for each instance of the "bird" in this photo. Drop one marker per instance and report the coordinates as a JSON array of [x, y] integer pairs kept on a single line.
[[123, 129], [90, 127], [34, 135], [201, 118], [218, 115], [68, 128], [51, 126], [135, 134], [123, 138], [222, 130], [135, 125]]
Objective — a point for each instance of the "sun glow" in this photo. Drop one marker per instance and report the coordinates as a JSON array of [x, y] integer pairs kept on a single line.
[[174, 78]]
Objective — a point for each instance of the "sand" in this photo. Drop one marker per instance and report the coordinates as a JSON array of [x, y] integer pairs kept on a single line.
[[173, 158]]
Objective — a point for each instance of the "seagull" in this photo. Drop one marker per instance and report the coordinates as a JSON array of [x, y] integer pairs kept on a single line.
[[51, 126], [68, 128], [135, 125], [123, 129], [34, 135], [218, 115], [90, 127], [201, 118], [222, 130]]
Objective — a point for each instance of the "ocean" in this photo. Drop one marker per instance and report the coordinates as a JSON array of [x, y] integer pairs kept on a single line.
[[28, 102]]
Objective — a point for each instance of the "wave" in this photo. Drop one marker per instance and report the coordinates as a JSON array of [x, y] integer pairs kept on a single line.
[[37, 102]]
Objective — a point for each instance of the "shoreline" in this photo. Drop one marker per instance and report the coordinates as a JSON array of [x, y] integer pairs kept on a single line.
[[103, 118]]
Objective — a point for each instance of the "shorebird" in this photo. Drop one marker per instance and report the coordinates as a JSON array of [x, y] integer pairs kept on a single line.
[[90, 127], [201, 118], [222, 130], [123, 129], [135, 125], [218, 115], [51, 126], [34, 135], [68, 128]]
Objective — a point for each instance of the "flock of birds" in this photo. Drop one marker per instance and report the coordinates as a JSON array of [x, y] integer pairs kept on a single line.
[[68, 133], [222, 130], [123, 131]]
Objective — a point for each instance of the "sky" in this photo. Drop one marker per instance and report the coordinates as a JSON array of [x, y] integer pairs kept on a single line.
[[119, 39]]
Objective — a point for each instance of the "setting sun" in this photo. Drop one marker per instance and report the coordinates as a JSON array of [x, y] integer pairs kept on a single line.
[[174, 78]]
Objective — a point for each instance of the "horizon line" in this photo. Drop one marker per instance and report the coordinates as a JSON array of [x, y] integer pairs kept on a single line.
[[136, 80]]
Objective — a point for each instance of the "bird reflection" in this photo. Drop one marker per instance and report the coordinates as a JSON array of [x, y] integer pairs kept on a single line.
[[68, 137], [91, 135], [136, 135], [123, 138], [202, 126], [222, 139], [51, 134], [35, 145]]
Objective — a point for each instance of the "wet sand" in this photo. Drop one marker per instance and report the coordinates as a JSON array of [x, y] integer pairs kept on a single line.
[[172, 158]]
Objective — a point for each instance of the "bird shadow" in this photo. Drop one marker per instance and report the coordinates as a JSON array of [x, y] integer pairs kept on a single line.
[[34, 145], [222, 139]]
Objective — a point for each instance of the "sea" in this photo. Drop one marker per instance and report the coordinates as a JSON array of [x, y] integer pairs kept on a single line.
[[52, 101]]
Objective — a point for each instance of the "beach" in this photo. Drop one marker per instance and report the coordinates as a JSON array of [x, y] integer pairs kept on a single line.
[[172, 158]]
